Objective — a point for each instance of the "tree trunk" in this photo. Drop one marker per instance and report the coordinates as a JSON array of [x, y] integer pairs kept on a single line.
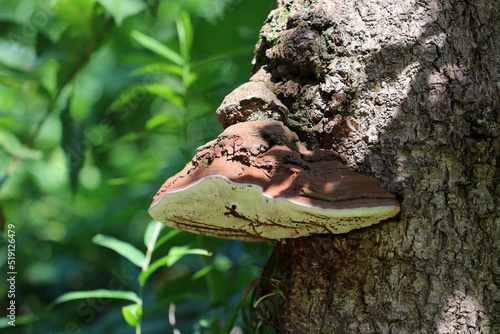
[[409, 92]]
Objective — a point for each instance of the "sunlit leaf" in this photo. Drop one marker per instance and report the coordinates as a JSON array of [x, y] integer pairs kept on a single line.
[[121, 9], [132, 314], [174, 255], [131, 136], [150, 229], [159, 68], [18, 47], [191, 79], [100, 293], [158, 120], [202, 272], [172, 233], [121, 247], [152, 268], [13, 145], [16, 55], [157, 47], [75, 14], [165, 92], [185, 32]]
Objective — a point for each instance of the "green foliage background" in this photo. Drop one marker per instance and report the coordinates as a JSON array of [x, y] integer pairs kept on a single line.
[[100, 102]]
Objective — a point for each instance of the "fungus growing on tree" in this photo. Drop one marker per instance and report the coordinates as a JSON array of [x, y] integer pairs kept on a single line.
[[257, 182]]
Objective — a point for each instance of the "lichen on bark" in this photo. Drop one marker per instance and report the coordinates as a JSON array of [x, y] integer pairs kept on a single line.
[[409, 92]]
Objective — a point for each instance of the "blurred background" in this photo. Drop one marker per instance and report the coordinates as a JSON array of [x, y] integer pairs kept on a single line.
[[100, 102]]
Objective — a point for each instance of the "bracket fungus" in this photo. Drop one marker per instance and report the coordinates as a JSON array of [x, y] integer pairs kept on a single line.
[[256, 181]]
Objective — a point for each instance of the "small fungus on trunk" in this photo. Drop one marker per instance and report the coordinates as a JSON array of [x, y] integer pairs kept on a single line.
[[252, 101], [257, 182]]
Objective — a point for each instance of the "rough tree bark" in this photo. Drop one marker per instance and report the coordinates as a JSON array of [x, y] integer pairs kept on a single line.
[[409, 92]]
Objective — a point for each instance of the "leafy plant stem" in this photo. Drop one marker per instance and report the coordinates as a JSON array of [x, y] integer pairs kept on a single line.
[[151, 246], [138, 328], [94, 45], [145, 266]]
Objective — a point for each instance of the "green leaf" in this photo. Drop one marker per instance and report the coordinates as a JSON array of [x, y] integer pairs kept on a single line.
[[202, 272], [185, 32], [152, 268], [157, 47], [150, 229], [174, 255], [74, 15], [121, 9], [159, 68], [132, 314], [121, 247], [13, 145], [126, 96], [100, 293], [18, 46], [165, 92], [191, 79], [16, 55], [154, 89], [171, 120], [172, 233]]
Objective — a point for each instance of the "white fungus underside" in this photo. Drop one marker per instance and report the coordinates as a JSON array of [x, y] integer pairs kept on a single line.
[[219, 207]]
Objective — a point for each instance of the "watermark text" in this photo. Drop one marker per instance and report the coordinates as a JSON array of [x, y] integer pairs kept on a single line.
[[11, 274]]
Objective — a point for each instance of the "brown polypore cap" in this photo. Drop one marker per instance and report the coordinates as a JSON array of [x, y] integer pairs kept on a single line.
[[257, 182]]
